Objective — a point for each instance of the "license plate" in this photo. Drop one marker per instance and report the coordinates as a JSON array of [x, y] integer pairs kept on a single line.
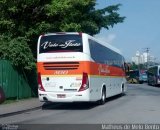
[[61, 95]]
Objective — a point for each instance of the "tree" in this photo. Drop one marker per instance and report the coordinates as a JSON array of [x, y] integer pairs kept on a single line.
[[18, 52], [30, 18], [133, 66], [81, 15], [22, 21]]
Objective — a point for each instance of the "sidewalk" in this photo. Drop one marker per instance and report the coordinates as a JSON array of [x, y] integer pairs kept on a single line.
[[20, 106]]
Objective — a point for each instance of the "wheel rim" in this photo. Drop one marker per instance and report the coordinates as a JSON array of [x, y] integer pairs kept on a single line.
[[103, 96]]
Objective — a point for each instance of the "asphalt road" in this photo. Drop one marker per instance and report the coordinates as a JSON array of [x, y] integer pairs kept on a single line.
[[141, 104]]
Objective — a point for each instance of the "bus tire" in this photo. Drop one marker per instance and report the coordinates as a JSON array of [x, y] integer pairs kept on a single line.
[[103, 97], [123, 91], [140, 82]]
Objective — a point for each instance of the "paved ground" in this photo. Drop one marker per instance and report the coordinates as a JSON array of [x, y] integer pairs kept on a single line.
[[20, 106], [140, 105]]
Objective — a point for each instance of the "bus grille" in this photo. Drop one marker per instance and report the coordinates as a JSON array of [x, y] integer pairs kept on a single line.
[[60, 65]]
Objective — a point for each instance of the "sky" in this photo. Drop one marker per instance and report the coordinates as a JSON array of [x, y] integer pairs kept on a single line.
[[140, 29]]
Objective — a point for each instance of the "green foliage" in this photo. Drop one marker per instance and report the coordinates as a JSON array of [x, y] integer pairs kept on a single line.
[[22, 21], [18, 52], [81, 15], [30, 18], [134, 66]]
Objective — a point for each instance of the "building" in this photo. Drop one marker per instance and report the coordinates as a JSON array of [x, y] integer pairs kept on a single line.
[[142, 58]]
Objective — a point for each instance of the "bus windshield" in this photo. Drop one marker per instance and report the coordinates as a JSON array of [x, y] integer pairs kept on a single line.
[[60, 43]]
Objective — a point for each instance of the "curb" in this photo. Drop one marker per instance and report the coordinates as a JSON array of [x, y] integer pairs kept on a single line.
[[44, 106], [19, 112]]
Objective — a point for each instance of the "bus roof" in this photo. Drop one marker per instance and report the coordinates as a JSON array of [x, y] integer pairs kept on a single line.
[[60, 33]]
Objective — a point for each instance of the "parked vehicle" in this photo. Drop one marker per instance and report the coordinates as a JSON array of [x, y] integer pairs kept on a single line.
[[137, 76], [154, 75], [143, 76]]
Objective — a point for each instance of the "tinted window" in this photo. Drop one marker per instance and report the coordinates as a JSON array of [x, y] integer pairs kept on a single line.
[[153, 70], [60, 43], [102, 54]]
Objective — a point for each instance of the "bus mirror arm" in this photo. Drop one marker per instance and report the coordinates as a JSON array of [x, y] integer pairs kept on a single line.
[[126, 66]]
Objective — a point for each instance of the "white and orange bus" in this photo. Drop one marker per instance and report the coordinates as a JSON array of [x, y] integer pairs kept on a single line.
[[75, 67]]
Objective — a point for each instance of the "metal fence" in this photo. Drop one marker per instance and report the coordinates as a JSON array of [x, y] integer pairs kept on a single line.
[[13, 83]]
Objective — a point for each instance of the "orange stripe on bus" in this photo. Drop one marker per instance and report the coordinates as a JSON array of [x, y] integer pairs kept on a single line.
[[89, 67]]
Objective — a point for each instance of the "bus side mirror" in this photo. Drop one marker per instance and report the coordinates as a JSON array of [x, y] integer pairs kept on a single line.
[[127, 67]]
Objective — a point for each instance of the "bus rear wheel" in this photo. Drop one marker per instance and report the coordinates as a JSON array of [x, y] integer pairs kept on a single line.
[[103, 97]]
